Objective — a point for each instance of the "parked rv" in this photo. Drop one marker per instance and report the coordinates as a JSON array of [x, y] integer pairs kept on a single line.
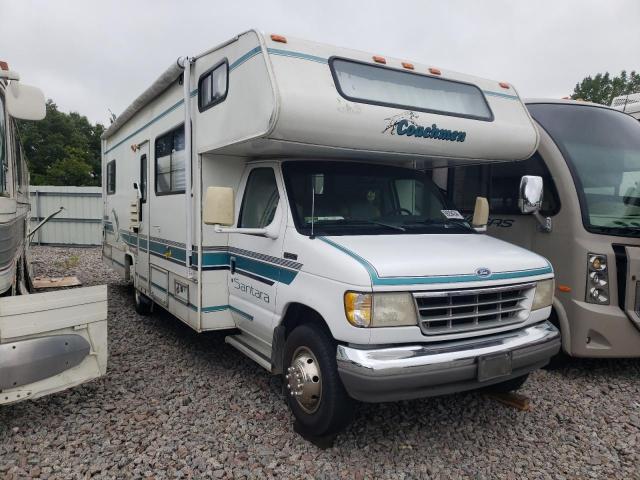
[[589, 223], [268, 187], [48, 341], [628, 104]]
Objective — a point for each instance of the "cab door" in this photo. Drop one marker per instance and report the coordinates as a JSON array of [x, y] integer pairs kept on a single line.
[[253, 259]]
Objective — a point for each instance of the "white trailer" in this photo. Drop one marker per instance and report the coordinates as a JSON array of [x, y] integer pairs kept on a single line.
[[628, 104], [48, 341], [342, 266]]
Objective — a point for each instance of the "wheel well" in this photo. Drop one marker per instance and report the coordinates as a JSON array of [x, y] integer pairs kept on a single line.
[[298, 314], [128, 262]]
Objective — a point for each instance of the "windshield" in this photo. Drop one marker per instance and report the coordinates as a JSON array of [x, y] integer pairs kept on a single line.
[[602, 148], [344, 198]]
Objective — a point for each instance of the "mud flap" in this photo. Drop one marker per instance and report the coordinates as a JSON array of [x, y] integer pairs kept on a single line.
[[51, 341]]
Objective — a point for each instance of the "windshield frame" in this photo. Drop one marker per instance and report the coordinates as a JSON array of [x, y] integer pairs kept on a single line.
[[367, 227], [622, 231]]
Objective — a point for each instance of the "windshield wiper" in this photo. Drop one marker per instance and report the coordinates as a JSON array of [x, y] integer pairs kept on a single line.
[[347, 222], [382, 224], [449, 221]]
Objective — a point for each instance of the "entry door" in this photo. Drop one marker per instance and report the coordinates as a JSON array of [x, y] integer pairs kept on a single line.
[[254, 271], [142, 264]]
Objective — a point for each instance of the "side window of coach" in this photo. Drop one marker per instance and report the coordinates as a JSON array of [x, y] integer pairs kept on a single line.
[[4, 160]]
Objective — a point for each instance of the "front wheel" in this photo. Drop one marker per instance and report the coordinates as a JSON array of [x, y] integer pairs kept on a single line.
[[314, 390], [144, 305]]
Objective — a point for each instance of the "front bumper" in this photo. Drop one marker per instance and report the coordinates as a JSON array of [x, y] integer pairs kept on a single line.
[[414, 371]]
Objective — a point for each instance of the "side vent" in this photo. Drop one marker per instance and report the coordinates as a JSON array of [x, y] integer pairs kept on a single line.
[[134, 216]]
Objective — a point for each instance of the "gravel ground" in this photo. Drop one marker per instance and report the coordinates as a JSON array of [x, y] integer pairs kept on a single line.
[[179, 404]]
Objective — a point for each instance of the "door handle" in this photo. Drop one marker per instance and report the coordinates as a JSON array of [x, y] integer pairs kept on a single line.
[[232, 265]]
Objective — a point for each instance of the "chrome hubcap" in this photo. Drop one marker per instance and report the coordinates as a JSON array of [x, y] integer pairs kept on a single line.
[[304, 380]]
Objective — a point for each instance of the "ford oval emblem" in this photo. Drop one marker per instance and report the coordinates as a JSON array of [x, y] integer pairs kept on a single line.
[[483, 272]]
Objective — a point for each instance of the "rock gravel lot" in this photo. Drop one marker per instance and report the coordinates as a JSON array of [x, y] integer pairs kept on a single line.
[[176, 404]]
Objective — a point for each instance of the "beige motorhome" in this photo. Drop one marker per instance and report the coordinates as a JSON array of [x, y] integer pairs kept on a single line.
[[589, 224], [48, 341]]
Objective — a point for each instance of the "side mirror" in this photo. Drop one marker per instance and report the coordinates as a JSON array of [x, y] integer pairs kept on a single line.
[[530, 200], [219, 206], [480, 214], [25, 102]]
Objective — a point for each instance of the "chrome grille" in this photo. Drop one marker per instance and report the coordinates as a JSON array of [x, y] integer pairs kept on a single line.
[[455, 311]]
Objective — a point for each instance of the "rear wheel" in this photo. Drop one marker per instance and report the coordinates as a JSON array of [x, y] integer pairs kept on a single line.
[[144, 305], [510, 385], [314, 390]]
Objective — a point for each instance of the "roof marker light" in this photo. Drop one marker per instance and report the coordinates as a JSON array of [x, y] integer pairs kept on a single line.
[[279, 38], [4, 65], [408, 65], [504, 85], [435, 71], [379, 59]]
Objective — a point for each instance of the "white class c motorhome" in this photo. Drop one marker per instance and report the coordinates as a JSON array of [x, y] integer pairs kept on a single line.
[[309, 233], [589, 224], [48, 341]]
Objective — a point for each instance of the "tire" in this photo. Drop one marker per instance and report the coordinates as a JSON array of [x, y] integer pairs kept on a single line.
[[323, 408], [144, 305], [510, 385]]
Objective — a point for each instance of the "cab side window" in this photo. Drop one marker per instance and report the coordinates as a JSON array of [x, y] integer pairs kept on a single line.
[[260, 199], [111, 177], [4, 160]]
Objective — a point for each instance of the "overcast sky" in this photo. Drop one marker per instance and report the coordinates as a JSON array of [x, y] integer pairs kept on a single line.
[[90, 56]]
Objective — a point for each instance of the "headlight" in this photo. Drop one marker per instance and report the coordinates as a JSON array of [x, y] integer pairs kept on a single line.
[[597, 290], [544, 294], [380, 309], [357, 307]]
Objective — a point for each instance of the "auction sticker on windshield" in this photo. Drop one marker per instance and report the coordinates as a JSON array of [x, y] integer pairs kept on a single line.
[[452, 214]]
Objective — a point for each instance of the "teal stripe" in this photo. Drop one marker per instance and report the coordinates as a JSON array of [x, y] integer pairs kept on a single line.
[[502, 95], [394, 281], [237, 310], [213, 308], [216, 259], [300, 55], [250, 54]]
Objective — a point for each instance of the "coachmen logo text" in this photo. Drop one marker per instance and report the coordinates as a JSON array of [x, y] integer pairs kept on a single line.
[[406, 124]]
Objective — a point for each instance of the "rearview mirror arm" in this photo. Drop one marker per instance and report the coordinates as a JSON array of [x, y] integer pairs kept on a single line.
[[544, 223]]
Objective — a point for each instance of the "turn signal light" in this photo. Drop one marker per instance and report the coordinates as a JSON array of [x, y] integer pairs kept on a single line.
[[279, 38]]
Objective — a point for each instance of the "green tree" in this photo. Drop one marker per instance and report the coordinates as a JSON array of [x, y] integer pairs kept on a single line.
[[602, 88], [62, 149]]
